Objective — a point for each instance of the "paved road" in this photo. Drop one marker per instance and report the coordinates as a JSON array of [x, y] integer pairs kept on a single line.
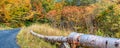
[[8, 38]]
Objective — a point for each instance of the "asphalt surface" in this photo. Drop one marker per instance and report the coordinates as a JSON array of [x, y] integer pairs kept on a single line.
[[8, 38]]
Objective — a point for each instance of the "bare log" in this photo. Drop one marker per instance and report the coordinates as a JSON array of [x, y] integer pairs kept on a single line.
[[94, 41], [51, 38], [84, 40]]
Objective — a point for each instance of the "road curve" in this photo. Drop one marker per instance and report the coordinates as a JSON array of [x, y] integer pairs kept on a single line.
[[8, 38]]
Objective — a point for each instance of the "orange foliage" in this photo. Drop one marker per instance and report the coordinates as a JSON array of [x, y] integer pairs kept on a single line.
[[38, 7], [53, 15], [75, 14], [72, 11]]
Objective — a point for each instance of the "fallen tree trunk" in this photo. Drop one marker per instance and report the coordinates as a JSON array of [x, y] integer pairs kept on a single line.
[[83, 40]]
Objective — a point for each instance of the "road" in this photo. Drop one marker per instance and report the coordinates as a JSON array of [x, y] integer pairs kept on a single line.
[[8, 38]]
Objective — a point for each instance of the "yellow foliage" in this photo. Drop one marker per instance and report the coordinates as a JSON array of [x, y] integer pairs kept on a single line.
[[59, 5], [118, 34], [15, 2]]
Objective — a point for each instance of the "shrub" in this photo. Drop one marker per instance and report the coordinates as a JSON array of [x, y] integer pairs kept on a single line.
[[108, 20], [72, 17]]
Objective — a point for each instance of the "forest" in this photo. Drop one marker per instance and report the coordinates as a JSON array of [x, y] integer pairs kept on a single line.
[[60, 17]]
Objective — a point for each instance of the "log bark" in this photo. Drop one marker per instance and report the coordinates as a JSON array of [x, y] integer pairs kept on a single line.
[[84, 40], [50, 38]]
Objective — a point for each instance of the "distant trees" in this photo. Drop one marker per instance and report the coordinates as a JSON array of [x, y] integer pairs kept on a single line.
[[98, 18], [78, 15], [3, 11], [13, 12]]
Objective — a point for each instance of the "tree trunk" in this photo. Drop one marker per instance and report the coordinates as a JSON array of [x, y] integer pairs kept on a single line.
[[83, 40]]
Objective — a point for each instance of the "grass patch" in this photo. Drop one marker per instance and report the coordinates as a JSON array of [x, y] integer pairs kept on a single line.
[[26, 40], [3, 27]]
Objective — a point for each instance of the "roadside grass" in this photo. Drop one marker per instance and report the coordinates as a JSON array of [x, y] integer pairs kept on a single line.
[[26, 40], [3, 27]]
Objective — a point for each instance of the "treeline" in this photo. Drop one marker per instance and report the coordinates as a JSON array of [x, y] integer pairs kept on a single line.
[[100, 17]]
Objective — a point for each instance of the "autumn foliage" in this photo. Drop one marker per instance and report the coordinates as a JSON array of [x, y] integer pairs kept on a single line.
[[95, 17]]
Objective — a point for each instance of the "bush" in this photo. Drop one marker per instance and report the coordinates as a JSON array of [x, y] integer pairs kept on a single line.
[[72, 17], [109, 20]]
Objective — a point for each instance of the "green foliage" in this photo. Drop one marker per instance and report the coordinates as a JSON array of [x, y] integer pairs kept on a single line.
[[118, 35], [87, 2], [18, 13], [100, 33], [108, 21], [80, 2]]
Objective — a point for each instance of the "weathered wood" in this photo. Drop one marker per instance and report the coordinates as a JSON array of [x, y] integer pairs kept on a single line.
[[94, 41], [84, 40], [51, 38]]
